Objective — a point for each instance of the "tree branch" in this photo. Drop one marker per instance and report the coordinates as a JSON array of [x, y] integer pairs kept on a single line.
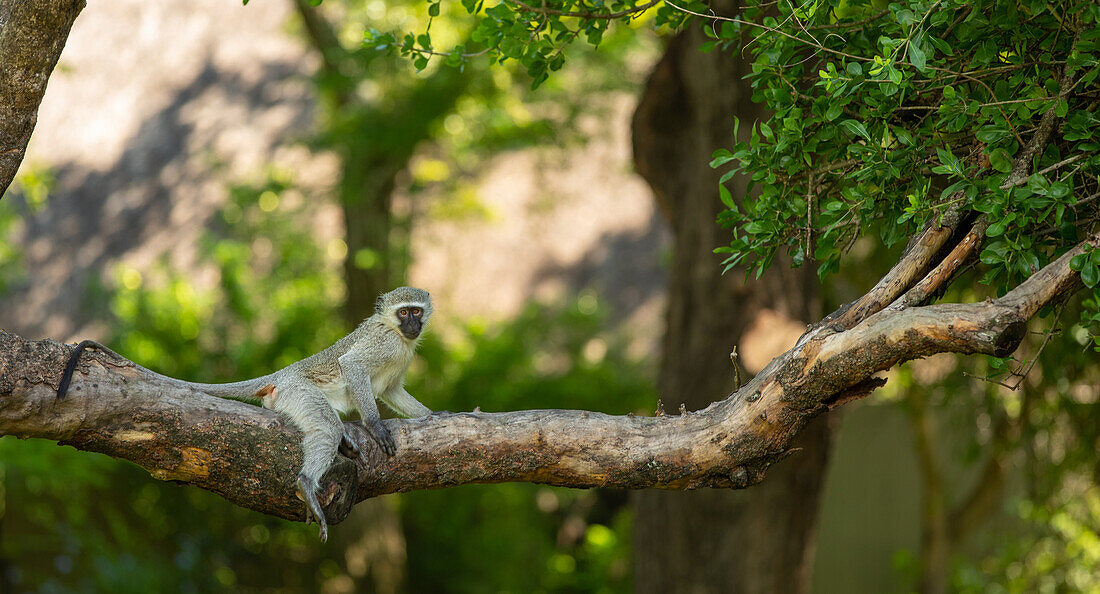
[[917, 259], [32, 35], [250, 456]]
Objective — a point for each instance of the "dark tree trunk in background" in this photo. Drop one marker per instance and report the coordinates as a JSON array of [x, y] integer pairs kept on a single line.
[[759, 539], [373, 159], [366, 197]]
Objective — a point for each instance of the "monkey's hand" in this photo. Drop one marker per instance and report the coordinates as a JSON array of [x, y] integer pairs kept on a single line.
[[380, 435]]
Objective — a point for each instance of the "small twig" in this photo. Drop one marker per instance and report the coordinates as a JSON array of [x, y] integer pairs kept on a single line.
[[1012, 101], [1035, 359], [859, 23], [1064, 162]]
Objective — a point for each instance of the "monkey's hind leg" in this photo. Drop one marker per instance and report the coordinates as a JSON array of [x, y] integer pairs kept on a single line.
[[319, 449], [323, 431]]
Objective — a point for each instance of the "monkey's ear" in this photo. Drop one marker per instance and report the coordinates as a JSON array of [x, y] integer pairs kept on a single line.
[[378, 304]]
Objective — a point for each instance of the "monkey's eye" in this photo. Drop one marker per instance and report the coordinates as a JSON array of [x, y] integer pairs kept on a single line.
[[404, 313], [416, 311]]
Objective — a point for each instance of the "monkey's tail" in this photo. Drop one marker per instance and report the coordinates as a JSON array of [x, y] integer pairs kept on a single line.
[[245, 390]]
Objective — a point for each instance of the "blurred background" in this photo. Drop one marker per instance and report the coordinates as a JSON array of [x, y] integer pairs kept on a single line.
[[218, 190]]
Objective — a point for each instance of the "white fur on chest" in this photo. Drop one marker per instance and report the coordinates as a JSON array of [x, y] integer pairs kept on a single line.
[[383, 379]]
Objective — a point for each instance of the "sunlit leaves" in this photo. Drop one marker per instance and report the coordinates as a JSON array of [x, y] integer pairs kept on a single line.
[[535, 35], [896, 118]]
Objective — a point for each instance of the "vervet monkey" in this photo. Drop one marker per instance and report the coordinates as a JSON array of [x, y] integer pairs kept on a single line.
[[343, 379]]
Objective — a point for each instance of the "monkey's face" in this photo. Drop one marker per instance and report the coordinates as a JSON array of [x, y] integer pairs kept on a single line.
[[410, 321]]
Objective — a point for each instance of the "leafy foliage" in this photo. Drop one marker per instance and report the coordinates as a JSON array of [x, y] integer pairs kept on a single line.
[[904, 113], [513, 31]]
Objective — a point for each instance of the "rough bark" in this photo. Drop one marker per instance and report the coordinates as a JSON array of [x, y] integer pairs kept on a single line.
[[249, 456], [693, 541], [32, 35]]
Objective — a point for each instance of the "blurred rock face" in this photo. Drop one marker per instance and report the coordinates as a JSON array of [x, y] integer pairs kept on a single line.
[[146, 101], [154, 108]]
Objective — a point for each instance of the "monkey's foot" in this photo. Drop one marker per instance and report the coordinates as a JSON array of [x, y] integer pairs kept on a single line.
[[381, 435], [307, 490]]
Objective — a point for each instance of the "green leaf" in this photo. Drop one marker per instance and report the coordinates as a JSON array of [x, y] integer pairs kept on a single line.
[[1038, 184], [994, 253], [1000, 160], [1078, 262], [855, 128], [991, 134], [1090, 275], [916, 55], [726, 197], [1060, 189], [721, 157], [1031, 261], [433, 9], [1062, 108], [942, 46], [946, 157]]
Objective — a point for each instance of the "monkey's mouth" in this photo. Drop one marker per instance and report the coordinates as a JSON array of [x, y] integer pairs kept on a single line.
[[411, 328]]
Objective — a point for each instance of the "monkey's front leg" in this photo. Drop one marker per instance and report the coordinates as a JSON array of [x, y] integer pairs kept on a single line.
[[358, 381], [404, 404]]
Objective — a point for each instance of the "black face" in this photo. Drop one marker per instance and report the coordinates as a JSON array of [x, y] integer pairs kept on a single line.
[[410, 321]]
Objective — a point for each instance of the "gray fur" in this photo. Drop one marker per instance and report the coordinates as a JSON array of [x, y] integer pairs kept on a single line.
[[344, 379]]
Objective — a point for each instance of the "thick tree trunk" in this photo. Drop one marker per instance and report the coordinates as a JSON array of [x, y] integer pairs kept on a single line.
[[759, 540], [32, 35]]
